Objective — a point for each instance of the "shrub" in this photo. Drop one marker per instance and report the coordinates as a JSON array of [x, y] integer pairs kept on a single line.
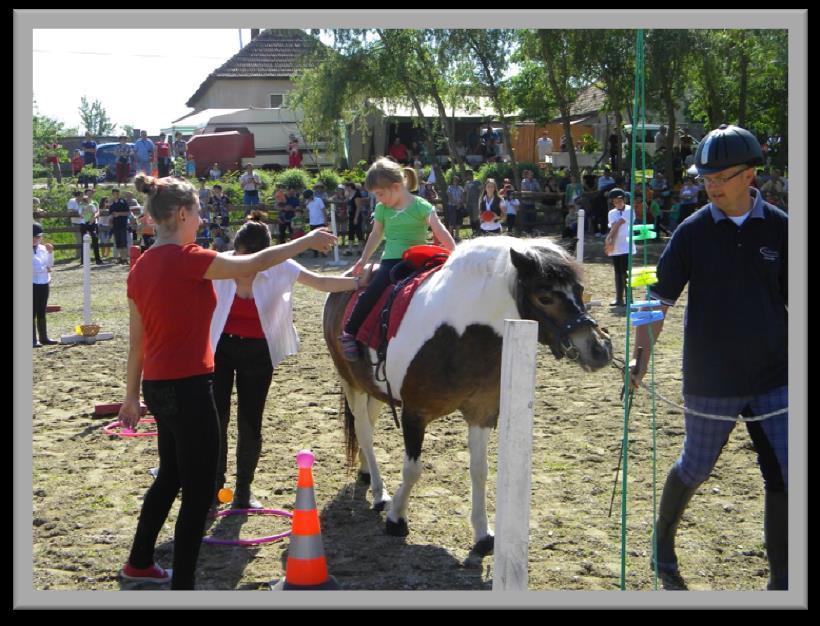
[[329, 178], [293, 177]]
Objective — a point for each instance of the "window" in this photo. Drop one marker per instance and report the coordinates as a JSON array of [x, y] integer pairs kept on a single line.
[[277, 100]]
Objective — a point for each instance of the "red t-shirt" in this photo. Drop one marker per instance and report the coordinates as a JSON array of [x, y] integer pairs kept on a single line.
[[176, 304], [243, 320], [163, 149], [398, 152]]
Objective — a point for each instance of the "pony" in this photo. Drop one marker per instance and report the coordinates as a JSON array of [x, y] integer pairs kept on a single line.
[[446, 356]]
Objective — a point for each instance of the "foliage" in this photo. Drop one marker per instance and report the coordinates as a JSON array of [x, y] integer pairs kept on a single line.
[[500, 171], [94, 118], [329, 178], [293, 177], [589, 145], [359, 173]]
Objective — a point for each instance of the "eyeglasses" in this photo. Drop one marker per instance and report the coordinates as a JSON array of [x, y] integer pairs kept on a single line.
[[716, 181]]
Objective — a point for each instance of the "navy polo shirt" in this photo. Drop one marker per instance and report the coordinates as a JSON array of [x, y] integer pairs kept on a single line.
[[736, 322]]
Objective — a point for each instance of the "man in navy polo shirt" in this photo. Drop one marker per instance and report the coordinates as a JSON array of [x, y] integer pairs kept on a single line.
[[733, 254]]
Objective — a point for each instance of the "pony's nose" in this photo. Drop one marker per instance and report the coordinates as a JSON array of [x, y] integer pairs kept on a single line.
[[602, 351]]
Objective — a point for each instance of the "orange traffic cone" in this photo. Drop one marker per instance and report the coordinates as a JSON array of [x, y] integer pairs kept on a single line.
[[306, 568]]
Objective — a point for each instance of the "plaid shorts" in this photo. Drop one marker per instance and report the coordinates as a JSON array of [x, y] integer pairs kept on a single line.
[[706, 437]]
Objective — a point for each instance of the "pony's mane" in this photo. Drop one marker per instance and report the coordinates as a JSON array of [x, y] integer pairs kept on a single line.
[[491, 256]]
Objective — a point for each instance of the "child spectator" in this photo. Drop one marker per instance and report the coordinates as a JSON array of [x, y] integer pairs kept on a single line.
[[316, 213], [42, 262], [215, 172], [104, 223], [190, 166], [279, 195], [455, 201], [148, 231], [297, 225], [222, 241], [90, 212], [163, 156], [509, 206], [339, 207], [220, 207], [77, 163], [120, 214], [285, 215]]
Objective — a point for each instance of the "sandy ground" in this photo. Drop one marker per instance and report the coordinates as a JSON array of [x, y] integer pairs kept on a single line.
[[88, 487]]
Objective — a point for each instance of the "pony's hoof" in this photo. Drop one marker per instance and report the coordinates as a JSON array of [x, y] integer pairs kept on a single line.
[[379, 506], [397, 529], [364, 478], [484, 547]]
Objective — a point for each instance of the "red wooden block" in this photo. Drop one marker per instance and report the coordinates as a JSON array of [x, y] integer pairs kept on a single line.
[[53, 308]]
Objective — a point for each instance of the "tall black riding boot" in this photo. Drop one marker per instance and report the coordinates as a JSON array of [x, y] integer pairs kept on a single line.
[[41, 328], [619, 290], [776, 528], [675, 497]]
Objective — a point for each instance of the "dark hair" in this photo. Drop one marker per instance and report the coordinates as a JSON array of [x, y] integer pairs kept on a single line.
[[38, 229], [254, 234], [217, 187], [307, 193]]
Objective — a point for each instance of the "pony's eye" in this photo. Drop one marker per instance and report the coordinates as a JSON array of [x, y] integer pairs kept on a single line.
[[545, 300]]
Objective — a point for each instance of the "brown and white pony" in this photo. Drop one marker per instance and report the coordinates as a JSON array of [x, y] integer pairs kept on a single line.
[[446, 356]]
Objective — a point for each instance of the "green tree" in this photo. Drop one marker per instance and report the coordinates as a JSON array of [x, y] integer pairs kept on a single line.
[[485, 64], [560, 55], [94, 118], [667, 54], [45, 131]]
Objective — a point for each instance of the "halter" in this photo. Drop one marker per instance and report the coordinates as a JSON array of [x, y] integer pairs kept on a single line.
[[561, 345]]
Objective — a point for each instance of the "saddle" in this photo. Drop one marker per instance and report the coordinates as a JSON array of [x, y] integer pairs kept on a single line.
[[382, 323]]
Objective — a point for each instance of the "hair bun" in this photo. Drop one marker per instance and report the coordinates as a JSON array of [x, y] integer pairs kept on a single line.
[[257, 215]]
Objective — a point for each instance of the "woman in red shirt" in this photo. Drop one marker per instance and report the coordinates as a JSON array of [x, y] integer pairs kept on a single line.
[[171, 301], [398, 151]]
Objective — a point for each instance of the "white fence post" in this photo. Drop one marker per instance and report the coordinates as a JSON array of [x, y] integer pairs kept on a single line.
[[579, 250], [512, 497], [86, 279], [334, 230]]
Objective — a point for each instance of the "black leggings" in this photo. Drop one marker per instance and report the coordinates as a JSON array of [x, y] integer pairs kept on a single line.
[[91, 229], [40, 302], [188, 443], [371, 295], [621, 263], [249, 360]]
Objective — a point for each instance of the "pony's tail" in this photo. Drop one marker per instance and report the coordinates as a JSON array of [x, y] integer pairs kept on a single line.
[[351, 443]]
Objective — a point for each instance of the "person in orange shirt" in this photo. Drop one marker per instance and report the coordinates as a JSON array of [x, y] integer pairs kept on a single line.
[[148, 231]]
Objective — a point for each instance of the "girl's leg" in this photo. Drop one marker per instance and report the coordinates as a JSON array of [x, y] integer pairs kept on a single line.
[[224, 368], [370, 296]]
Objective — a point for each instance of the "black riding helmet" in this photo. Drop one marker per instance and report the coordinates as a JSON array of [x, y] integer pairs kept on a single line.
[[616, 193], [38, 229], [724, 147]]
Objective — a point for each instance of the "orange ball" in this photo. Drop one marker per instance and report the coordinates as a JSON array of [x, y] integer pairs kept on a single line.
[[225, 495]]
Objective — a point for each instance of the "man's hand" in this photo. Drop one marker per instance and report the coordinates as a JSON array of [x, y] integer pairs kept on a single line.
[[321, 239]]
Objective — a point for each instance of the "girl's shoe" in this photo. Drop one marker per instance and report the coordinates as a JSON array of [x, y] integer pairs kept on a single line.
[[154, 574], [350, 348]]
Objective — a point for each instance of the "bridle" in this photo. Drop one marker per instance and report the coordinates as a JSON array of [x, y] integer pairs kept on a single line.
[[560, 344]]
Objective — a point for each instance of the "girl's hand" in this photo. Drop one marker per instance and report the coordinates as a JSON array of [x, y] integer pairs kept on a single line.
[[129, 415], [357, 268]]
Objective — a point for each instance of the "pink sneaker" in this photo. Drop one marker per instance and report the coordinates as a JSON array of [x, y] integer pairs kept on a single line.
[[350, 348], [153, 574]]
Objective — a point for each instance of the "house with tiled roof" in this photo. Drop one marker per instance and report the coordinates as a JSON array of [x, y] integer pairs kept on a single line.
[[248, 93]]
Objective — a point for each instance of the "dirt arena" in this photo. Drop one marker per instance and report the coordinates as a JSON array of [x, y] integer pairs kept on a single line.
[[87, 487]]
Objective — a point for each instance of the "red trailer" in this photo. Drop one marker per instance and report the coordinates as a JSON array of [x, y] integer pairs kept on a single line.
[[226, 148]]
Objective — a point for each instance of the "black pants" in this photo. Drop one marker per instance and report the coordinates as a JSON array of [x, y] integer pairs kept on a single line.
[[163, 166], [371, 295], [248, 360], [91, 229], [510, 222], [528, 217], [40, 302], [188, 443], [284, 227], [621, 263], [354, 229], [599, 215]]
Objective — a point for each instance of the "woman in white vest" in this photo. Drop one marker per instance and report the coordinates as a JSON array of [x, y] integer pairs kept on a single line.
[[251, 332]]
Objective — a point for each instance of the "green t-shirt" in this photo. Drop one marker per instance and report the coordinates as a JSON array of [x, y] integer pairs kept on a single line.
[[403, 229]]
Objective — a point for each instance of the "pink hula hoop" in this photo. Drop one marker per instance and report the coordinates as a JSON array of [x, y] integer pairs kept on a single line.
[[249, 542], [109, 429]]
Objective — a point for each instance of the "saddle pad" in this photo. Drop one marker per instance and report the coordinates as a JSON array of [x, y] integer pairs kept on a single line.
[[369, 332]]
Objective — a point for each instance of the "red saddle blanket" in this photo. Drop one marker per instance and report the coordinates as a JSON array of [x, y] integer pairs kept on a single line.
[[369, 333]]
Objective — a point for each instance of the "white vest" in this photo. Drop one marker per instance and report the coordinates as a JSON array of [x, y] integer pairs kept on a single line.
[[272, 293]]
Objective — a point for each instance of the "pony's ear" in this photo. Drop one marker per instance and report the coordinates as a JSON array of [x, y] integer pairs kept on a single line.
[[523, 262]]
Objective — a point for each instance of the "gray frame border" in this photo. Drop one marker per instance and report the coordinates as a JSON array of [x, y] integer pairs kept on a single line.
[[796, 21]]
